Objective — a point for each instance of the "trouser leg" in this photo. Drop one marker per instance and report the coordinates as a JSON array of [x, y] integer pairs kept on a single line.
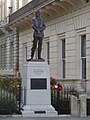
[[39, 47], [33, 47]]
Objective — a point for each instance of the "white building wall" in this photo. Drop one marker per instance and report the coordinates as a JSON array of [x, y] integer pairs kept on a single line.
[[71, 26], [24, 2], [70, 49], [88, 46], [25, 40], [15, 4], [6, 40]]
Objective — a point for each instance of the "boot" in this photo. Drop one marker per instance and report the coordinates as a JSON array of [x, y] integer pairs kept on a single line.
[[39, 57], [32, 54]]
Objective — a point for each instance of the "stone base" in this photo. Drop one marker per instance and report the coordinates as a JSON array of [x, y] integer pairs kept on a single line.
[[39, 111], [36, 96]]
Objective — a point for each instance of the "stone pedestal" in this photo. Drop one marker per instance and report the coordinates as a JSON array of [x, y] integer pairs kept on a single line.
[[36, 94]]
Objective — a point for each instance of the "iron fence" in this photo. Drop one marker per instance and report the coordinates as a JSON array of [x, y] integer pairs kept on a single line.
[[61, 101], [10, 99]]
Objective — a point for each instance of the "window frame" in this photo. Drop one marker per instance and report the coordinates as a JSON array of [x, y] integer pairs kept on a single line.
[[25, 51], [46, 50], [60, 38]]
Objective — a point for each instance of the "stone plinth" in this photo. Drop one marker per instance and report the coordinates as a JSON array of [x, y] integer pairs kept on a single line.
[[36, 94]]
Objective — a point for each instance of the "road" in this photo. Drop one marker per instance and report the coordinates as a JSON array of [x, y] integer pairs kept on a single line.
[[44, 118]]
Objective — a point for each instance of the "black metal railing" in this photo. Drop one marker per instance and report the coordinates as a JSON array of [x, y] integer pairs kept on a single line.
[[27, 8], [61, 101], [10, 100]]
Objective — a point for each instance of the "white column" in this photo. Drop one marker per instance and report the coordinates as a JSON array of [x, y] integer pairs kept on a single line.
[[82, 105], [9, 6], [74, 106], [29, 0], [16, 4], [20, 3]]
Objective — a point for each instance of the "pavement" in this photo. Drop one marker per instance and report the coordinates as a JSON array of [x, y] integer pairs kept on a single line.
[[43, 118]]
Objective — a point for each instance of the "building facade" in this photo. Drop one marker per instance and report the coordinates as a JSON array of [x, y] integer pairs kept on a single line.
[[9, 37], [66, 43]]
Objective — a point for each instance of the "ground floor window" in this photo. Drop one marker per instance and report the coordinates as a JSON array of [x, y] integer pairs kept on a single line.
[[3, 56], [11, 54], [46, 50], [83, 56], [25, 52], [63, 58]]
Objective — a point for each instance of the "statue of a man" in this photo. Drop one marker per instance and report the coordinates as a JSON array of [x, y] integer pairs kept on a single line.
[[39, 26]]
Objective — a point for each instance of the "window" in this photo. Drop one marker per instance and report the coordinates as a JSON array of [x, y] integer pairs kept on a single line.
[[25, 51], [87, 1], [11, 54], [63, 58], [3, 56], [48, 52], [2, 9], [83, 56]]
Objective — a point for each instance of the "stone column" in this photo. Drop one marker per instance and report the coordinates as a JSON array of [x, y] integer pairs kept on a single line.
[[88, 86], [17, 4], [82, 105], [74, 106]]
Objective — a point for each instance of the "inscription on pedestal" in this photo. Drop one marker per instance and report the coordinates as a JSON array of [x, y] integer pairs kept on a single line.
[[38, 83], [38, 72]]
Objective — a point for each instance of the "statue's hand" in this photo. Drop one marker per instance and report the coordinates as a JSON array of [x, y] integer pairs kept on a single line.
[[41, 30], [38, 31]]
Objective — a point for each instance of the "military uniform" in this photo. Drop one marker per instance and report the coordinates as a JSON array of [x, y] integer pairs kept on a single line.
[[38, 34]]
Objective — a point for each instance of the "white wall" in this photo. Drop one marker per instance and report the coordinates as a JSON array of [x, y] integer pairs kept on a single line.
[[4, 8], [25, 40], [71, 26]]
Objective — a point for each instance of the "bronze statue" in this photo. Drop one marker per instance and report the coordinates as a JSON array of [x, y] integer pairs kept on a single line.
[[39, 26]]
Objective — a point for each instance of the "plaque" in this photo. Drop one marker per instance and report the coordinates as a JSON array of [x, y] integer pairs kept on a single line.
[[38, 83]]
